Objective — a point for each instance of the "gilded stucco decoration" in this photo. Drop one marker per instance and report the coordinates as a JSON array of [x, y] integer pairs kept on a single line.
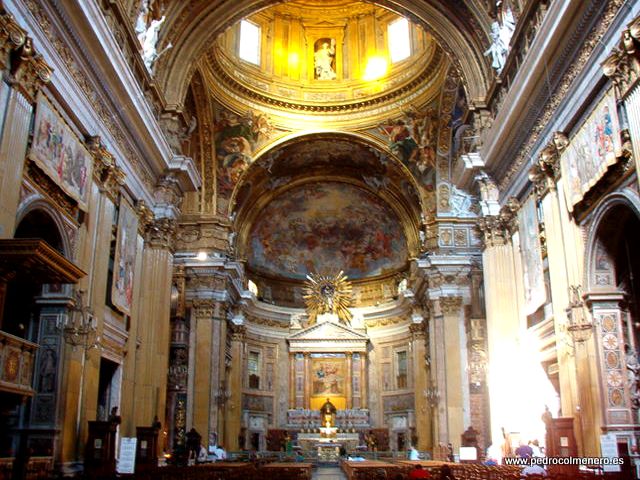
[[328, 294]]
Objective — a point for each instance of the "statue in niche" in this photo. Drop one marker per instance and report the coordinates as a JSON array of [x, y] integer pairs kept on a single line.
[[328, 414], [324, 59]]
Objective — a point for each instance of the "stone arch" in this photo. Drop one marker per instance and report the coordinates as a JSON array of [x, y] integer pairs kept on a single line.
[[599, 265], [37, 212]]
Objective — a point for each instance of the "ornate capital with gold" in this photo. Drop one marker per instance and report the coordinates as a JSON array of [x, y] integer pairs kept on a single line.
[[418, 330], [450, 305], [28, 72], [107, 174], [497, 229], [237, 332], [622, 66], [145, 216], [204, 309], [12, 36], [161, 234], [546, 171]]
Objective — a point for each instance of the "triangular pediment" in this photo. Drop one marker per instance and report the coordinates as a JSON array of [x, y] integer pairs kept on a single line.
[[328, 331]]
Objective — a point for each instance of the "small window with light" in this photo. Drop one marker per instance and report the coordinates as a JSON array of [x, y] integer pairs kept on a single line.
[[399, 40], [249, 50]]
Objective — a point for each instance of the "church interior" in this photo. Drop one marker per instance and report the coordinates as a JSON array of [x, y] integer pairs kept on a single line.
[[326, 230]]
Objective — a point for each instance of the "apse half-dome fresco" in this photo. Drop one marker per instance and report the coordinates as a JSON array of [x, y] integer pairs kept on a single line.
[[329, 226]]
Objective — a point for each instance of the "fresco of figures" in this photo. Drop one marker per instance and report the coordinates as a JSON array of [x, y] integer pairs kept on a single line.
[[59, 153], [328, 226], [592, 150], [414, 139], [237, 138]]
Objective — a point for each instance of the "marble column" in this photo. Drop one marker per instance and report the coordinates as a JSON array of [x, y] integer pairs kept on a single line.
[[307, 380], [452, 378], [349, 380], [204, 343], [233, 407], [364, 403], [154, 328], [502, 300], [292, 380], [420, 383]]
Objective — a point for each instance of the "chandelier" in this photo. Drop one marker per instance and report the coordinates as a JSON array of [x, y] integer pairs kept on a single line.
[[79, 328]]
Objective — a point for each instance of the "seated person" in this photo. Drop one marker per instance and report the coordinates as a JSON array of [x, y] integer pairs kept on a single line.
[[534, 470], [220, 453], [299, 457], [202, 455], [413, 453], [419, 472]]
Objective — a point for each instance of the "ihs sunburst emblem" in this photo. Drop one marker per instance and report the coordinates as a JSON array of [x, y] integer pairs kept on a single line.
[[328, 294]]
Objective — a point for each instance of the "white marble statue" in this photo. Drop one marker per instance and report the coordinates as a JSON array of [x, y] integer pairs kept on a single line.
[[497, 50], [142, 22], [149, 52], [323, 61]]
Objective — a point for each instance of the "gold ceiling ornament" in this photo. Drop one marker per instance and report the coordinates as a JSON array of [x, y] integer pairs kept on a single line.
[[328, 294]]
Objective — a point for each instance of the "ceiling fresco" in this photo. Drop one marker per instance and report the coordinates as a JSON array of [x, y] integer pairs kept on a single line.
[[334, 225]]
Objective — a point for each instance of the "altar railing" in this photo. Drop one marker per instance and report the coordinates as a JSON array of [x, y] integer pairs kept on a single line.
[[17, 358]]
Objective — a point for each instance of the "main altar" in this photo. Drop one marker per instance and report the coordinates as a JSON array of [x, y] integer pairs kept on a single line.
[[328, 374]]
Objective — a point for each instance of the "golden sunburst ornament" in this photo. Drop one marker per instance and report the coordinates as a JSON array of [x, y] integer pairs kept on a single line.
[[328, 294]]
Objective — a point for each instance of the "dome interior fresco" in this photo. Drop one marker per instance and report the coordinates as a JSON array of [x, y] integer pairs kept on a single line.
[[324, 54]]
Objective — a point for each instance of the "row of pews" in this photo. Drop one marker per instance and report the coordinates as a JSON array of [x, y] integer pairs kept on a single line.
[[231, 471], [363, 470], [400, 470]]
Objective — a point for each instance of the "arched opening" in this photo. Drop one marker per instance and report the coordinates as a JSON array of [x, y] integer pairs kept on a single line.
[[616, 264], [20, 307]]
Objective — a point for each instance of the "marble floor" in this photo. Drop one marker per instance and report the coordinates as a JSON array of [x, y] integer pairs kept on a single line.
[[328, 473]]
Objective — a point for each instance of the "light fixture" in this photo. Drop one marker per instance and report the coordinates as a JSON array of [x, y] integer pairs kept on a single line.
[[202, 256], [376, 68], [579, 326], [432, 395], [79, 328]]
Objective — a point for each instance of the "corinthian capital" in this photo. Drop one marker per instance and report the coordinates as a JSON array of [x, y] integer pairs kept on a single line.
[[497, 229], [623, 64], [450, 305], [168, 196], [28, 70], [204, 309], [12, 36], [237, 332], [161, 234], [108, 175]]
